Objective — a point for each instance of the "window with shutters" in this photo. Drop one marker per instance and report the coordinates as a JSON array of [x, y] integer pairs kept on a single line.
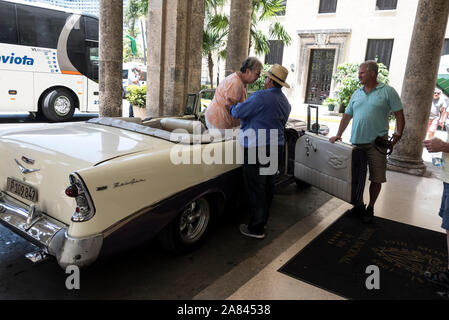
[[276, 52], [328, 6], [386, 4], [380, 50]]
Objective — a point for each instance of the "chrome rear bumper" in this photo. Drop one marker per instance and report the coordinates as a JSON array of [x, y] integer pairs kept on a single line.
[[48, 234]]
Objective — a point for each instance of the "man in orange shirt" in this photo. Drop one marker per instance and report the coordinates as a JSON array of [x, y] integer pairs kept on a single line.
[[232, 90]]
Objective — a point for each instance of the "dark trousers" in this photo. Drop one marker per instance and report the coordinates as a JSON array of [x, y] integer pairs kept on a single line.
[[260, 190]]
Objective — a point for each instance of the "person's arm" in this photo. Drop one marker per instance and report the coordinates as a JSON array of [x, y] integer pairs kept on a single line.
[[247, 108], [342, 127], [443, 113], [400, 123], [436, 145], [443, 117]]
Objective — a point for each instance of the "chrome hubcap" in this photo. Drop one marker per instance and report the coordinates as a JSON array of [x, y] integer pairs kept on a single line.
[[194, 221], [62, 105]]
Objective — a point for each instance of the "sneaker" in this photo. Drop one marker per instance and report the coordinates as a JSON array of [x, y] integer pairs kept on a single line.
[[245, 231], [439, 278], [443, 294], [368, 215], [356, 211]]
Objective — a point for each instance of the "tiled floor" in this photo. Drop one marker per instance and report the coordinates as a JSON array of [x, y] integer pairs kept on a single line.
[[405, 198]]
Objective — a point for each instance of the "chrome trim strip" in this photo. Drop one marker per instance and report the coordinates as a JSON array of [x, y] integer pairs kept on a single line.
[[25, 170]]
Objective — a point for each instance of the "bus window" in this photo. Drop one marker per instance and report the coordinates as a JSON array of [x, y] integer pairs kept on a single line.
[[8, 23], [39, 27], [91, 44], [125, 74], [93, 63], [91, 28]]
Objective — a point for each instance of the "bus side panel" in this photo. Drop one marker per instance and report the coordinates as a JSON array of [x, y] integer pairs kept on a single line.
[[93, 96], [43, 81], [16, 94]]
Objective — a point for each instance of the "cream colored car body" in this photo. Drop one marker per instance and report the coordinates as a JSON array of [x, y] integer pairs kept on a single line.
[[126, 168]]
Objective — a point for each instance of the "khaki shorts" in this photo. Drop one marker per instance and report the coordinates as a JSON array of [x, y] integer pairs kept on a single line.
[[377, 162]]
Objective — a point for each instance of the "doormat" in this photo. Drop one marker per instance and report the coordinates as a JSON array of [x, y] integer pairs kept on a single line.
[[384, 260]]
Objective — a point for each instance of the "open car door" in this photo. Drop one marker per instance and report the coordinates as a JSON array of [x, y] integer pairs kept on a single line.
[[336, 168]]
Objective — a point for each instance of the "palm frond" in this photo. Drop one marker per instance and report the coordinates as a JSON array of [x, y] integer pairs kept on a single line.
[[219, 23], [260, 42], [278, 32]]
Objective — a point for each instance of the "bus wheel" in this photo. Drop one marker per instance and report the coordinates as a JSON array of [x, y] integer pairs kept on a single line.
[[58, 105]]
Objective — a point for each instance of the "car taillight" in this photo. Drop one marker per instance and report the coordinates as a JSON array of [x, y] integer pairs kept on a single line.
[[84, 207], [71, 191]]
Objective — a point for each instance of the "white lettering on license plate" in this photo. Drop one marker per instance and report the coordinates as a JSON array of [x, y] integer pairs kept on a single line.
[[22, 190]]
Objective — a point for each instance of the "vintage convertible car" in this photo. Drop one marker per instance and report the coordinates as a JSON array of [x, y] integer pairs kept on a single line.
[[81, 190]]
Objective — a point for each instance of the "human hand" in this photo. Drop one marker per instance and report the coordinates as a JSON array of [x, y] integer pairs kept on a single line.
[[434, 145], [396, 138], [334, 139]]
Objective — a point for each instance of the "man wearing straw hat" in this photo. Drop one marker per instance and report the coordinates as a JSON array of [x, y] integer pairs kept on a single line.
[[263, 117]]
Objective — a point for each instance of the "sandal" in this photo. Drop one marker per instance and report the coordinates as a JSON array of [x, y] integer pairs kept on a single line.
[[440, 278]]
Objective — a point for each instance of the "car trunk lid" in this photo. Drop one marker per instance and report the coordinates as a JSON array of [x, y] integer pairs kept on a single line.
[[40, 159]]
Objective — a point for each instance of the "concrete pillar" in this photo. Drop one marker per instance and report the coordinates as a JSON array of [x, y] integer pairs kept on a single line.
[[111, 58], [175, 30], [419, 82], [239, 35]]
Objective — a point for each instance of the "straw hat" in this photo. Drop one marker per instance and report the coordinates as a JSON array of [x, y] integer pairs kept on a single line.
[[278, 73]]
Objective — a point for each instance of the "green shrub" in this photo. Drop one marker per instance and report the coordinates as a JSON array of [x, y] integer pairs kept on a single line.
[[137, 95]]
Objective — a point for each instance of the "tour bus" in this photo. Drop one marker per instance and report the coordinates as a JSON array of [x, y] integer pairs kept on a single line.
[[48, 60]]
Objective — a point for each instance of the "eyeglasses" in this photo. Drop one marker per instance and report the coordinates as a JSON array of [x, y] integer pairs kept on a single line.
[[436, 92]]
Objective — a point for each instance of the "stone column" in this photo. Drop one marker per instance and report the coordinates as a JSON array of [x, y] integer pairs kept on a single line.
[[239, 34], [419, 82], [111, 57], [175, 29]]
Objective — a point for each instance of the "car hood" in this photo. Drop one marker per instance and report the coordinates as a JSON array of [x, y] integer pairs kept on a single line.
[[56, 150]]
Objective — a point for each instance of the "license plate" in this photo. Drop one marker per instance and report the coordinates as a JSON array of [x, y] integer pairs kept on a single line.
[[21, 189]]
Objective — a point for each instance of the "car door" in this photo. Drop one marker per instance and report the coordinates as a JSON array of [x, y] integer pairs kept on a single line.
[[336, 168]]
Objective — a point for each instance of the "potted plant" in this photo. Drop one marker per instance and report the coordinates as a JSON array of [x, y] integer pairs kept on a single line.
[[330, 103], [137, 97]]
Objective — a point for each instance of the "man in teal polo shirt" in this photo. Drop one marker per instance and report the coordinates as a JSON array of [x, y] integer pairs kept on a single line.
[[369, 108]]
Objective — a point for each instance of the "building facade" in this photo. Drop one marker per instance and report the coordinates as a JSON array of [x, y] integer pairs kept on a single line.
[[326, 33]]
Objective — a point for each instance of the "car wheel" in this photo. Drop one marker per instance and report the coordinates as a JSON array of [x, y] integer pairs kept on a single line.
[[58, 105], [301, 184], [189, 229]]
